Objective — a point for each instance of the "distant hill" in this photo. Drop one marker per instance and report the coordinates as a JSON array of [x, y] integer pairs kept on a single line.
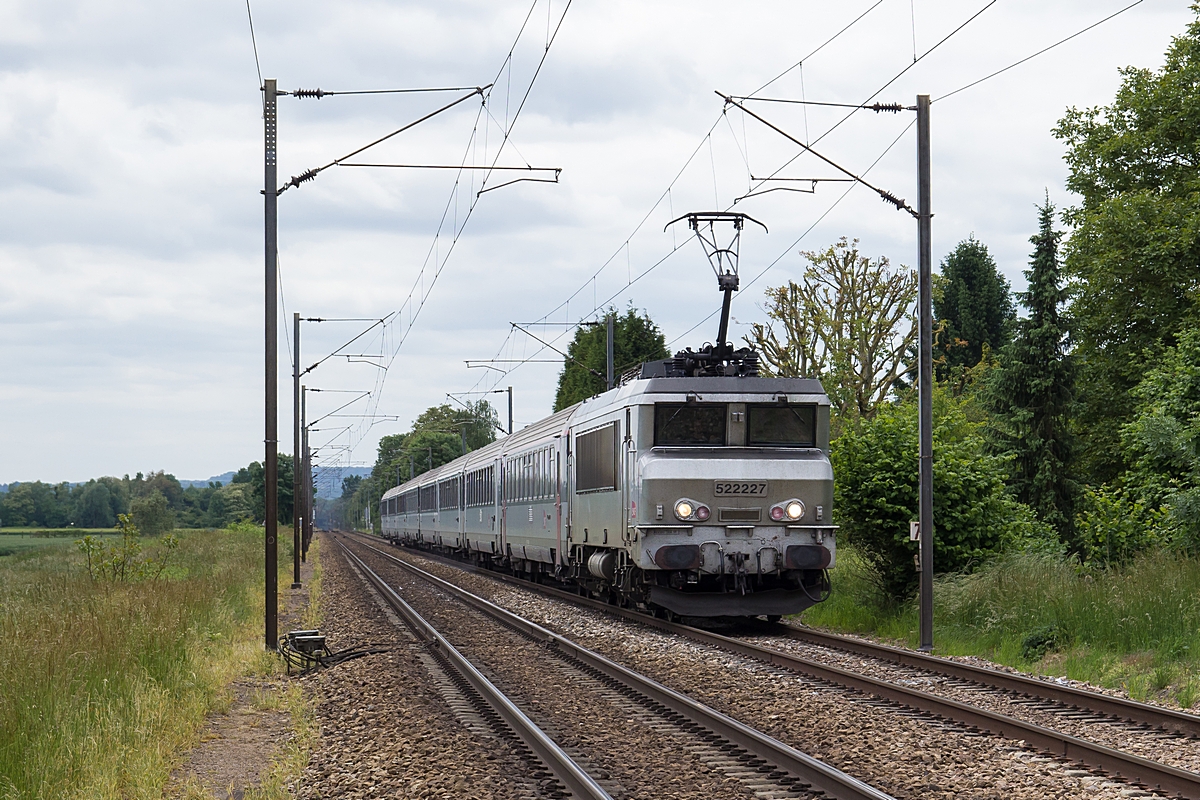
[[223, 478], [329, 479]]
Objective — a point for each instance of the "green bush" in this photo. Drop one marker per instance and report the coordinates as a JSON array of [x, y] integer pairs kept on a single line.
[[1044, 639], [1112, 526], [152, 514], [1149, 605], [876, 486]]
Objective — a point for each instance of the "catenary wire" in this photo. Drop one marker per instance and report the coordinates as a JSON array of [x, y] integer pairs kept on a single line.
[[439, 261], [254, 44], [854, 109], [667, 195], [1039, 52], [807, 230]]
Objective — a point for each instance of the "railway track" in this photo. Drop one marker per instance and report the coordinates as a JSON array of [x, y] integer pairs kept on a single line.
[[762, 766], [573, 778], [1098, 758], [1068, 697]]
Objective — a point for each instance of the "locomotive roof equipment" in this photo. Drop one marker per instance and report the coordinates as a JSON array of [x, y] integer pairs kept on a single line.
[[721, 358]]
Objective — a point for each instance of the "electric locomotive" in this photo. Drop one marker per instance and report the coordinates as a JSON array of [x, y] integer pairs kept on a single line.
[[694, 488]]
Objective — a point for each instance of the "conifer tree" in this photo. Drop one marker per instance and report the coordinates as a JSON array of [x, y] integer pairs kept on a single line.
[[1031, 391], [973, 307]]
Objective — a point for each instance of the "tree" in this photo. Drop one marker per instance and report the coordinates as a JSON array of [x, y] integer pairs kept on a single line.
[[848, 322], [152, 514], [438, 436], [478, 421], [94, 508], [1162, 442], [1030, 392], [350, 485], [254, 476], [875, 494], [229, 503], [1132, 257], [974, 308], [636, 339]]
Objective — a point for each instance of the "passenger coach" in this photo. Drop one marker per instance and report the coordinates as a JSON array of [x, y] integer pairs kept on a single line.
[[698, 496]]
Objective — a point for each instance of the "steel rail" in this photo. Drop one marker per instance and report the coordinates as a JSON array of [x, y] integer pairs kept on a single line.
[[808, 770], [1131, 710], [572, 776], [1080, 699], [1133, 769]]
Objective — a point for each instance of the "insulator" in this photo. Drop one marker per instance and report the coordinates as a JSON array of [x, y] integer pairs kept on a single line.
[[894, 108], [888, 197], [317, 93], [302, 177]]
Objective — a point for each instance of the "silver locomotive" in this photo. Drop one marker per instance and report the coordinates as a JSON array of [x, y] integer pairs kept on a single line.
[[692, 496]]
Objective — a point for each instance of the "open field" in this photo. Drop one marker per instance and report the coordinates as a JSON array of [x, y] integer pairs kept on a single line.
[[20, 540], [1134, 627], [115, 678]]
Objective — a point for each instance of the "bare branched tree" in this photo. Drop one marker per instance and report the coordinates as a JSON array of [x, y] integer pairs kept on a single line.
[[850, 322]]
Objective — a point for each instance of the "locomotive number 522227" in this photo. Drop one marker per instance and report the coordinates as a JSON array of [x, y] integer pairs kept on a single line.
[[751, 488]]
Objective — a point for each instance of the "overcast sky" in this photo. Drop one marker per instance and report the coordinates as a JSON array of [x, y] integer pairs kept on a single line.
[[131, 257]]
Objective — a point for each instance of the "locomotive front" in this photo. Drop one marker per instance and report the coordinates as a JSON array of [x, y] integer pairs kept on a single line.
[[734, 495]]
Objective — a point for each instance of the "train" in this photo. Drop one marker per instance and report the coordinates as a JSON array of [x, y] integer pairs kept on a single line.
[[679, 493]]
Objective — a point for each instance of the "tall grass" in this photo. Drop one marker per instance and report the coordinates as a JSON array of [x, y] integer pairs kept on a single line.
[[104, 683], [1135, 626]]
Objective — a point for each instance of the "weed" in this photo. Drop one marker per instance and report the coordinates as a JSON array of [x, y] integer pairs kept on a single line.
[[1161, 677], [1187, 694], [1115, 626], [1044, 639], [116, 677]]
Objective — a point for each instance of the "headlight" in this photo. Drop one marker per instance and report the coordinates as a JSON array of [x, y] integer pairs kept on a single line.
[[689, 509], [787, 511]]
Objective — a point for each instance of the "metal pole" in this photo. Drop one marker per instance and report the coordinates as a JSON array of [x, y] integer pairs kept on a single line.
[[462, 434], [609, 320], [271, 460], [510, 411], [309, 513], [925, 315], [412, 466], [297, 457], [304, 508]]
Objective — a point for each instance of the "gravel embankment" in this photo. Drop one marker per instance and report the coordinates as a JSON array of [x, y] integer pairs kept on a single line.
[[907, 756], [1177, 751], [630, 752], [385, 727]]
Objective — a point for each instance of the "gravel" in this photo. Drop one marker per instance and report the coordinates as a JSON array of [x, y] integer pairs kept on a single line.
[[1175, 750], [628, 750], [906, 754], [386, 729]]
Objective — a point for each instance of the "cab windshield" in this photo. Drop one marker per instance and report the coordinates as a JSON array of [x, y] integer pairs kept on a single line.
[[782, 426], [689, 425]]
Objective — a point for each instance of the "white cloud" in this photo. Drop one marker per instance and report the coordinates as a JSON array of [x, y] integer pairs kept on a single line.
[[131, 218]]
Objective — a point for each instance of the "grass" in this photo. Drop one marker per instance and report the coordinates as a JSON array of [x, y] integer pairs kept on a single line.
[[20, 540], [291, 759], [1135, 627], [108, 683]]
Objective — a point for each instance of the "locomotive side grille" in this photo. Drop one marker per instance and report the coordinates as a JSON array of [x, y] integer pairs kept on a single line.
[[739, 514]]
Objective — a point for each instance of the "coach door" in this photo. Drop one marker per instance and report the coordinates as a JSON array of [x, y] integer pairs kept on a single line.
[[629, 488]]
